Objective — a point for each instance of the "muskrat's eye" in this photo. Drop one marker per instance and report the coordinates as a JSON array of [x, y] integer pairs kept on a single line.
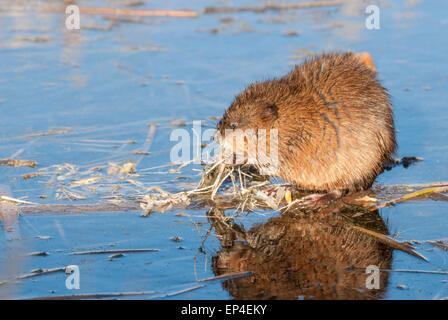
[[233, 126], [270, 112]]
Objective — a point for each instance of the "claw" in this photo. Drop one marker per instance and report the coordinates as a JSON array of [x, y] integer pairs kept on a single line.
[[319, 200]]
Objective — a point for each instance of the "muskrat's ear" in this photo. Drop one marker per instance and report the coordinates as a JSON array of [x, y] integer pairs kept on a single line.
[[269, 113], [366, 59]]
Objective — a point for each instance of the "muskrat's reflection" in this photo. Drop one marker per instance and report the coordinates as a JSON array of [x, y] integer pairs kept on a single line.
[[298, 254]]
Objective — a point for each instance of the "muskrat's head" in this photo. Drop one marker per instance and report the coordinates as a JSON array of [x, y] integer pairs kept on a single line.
[[251, 114]]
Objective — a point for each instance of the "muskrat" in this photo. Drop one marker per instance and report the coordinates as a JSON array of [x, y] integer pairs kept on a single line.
[[333, 118]]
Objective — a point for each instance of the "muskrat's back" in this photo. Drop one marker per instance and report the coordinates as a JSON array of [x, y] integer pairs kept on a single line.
[[334, 121]]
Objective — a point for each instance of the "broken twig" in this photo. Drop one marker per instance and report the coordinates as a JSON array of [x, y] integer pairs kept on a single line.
[[274, 6], [114, 251]]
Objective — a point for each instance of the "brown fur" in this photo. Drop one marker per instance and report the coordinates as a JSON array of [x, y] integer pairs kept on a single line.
[[334, 121], [301, 254]]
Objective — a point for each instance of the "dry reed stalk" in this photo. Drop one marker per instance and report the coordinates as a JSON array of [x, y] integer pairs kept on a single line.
[[412, 196], [120, 12], [274, 6], [18, 163], [141, 13]]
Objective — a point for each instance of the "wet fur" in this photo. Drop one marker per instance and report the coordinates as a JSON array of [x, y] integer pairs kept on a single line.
[[334, 120]]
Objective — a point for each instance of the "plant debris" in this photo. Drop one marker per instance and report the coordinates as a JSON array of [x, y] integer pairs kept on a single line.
[[440, 244], [413, 196], [274, 6], [32, 175], [18, 163], [116, 255], [114, 251], [40, 253]]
